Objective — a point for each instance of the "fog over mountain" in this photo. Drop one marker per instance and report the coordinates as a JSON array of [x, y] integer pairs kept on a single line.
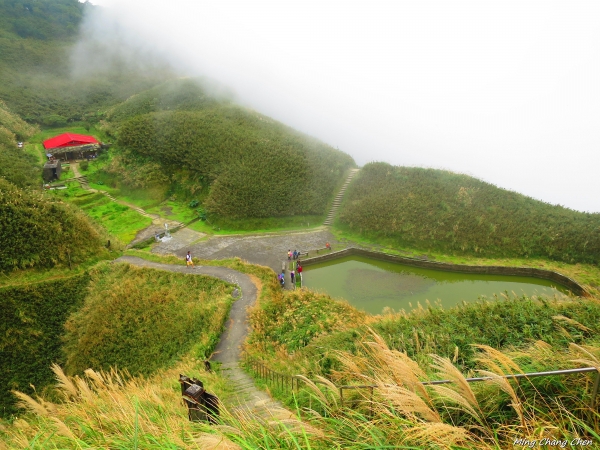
[[506, 91]]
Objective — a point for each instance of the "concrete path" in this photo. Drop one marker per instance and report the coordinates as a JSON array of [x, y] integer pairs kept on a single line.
[[249, 401], [268, 250]]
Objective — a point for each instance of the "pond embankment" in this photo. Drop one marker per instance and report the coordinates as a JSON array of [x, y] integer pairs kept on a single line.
[[556, 277]]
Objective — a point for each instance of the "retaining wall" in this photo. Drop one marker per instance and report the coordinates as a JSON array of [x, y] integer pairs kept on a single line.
[[563, 280]]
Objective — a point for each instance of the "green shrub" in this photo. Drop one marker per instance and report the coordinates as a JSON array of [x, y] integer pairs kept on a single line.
[[294, 319], [141, 319], [501, 324], [32, 321], [38, 232], [54, 120], [432, 209], [187, 94], [255, 166]]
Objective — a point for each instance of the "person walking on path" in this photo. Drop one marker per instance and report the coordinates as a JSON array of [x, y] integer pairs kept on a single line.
[[292, 274], [289, 255], [188, 260]]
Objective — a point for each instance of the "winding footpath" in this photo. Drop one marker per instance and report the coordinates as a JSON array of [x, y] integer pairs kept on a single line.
[[249, 401]]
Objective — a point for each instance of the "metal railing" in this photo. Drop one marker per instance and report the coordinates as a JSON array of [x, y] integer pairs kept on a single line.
[[285, 380]]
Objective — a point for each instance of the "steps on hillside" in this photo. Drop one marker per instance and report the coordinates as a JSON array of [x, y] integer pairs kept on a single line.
[[249, 401], [84, 183], [337, 201]]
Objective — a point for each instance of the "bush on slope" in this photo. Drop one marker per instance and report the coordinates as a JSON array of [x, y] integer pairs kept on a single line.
[[37, 232], [140, 319], [16, 166], [32, 319], [448, 212], [182, 94], [255, 167]]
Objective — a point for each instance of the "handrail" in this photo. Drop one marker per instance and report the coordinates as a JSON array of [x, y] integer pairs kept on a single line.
[[267, 373]]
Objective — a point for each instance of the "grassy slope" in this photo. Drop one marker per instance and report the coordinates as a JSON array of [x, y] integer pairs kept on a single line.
[[491, 422], [236, 162], [16, 165], [118, 220], [36, 80], [154, 316], [140, 320], [440, 211], [311, 334], [39, 232], [33, 317]]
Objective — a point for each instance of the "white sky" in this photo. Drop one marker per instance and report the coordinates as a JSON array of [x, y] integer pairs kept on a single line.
[[506, 91]]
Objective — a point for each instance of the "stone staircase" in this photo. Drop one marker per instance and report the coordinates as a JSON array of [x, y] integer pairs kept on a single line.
[[338, 199]]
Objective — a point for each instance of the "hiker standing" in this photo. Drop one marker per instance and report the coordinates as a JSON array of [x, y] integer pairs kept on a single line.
[[188, 260], [289, 255], [292, 274]]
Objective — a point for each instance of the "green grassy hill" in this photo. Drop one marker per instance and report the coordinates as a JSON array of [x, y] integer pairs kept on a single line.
[[238, 163], [36, 81], [16, 166], [38, 232], [32, 323], [113, 315], [154, 316], [183, 94], [437, 210]]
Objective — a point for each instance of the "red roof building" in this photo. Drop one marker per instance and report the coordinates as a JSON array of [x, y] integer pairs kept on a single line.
[[69, 140]]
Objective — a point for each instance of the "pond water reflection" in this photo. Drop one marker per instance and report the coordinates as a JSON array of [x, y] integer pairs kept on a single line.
[[372, 285]]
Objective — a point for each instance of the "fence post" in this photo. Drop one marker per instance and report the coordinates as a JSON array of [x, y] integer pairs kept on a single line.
[[595, 390]]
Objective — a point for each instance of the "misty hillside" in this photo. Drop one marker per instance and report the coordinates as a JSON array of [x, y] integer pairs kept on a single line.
[[37, 39], [239, 163], [183, 94], [438, 210]]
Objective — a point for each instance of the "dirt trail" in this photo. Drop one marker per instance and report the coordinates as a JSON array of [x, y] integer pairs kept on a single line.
[[249, 398]]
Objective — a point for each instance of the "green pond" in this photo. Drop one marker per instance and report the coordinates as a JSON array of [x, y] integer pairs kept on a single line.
[[372, 285]]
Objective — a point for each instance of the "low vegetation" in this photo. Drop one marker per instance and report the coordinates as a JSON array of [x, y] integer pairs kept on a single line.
[[33, 317], [118, 220], [183, 94], [395, 351], [243, 164], [37, 80], [435, 210], [16, 166], [38, 232], [289, 321], [140, 319]]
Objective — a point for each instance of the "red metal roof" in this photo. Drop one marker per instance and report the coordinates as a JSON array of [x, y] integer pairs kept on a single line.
[[68, 140]]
